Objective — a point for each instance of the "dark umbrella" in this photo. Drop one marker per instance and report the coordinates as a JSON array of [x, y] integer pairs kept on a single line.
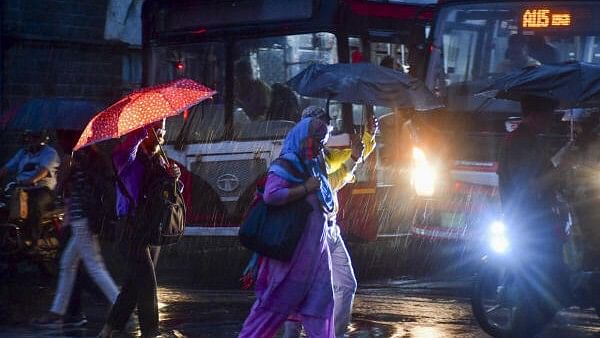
[[364, 83], [54, 113], [571, 84]]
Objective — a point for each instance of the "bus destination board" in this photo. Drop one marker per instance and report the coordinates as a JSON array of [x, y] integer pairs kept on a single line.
[[546, 18]]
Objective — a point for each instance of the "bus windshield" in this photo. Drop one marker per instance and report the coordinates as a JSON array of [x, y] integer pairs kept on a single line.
[[264, 108], [476, 43]]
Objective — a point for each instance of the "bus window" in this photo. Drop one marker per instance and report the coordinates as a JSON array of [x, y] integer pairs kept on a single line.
[[204, 63], [264, 107], [390, 55]]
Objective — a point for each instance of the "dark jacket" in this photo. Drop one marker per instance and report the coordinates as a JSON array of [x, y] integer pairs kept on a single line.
[[523, 160]]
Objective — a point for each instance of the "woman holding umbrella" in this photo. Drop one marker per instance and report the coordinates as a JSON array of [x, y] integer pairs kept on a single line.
[[136, 161]]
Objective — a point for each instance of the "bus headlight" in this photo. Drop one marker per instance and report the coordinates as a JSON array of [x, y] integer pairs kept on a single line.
[[423, 175], [498, 240]]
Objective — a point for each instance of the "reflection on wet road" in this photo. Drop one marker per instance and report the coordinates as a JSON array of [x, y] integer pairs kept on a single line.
[[379, 311], [390, 312]]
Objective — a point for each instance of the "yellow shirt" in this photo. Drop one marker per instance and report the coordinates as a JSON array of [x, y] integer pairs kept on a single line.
[[340, 166]]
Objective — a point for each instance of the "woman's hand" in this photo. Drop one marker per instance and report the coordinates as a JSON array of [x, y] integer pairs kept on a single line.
[[373, 126], [357, 147], [173, 170], [302, 190], [312, 184]]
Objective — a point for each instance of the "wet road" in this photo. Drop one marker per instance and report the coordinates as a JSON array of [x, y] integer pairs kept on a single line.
[[399, 309]]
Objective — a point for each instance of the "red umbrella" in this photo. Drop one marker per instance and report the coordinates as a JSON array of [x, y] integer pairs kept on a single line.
[[143, 107]]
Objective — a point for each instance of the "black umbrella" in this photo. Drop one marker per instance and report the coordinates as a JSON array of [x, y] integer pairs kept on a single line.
[[571, 84], [55, 113], [364, 83]]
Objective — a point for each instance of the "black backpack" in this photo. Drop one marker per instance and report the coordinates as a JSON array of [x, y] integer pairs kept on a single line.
[[160, 215], [99, 200], [102, 215]]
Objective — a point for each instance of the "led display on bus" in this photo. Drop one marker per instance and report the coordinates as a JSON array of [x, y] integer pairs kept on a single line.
[[544, 18]]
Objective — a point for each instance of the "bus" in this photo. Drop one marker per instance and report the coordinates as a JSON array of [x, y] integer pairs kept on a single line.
[[246, 50], [472, 44]]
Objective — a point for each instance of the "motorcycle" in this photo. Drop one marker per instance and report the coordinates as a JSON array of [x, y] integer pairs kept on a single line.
[[16, 246], [513, 295]]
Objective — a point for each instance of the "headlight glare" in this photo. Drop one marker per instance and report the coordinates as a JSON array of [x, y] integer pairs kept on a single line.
[[498, 228], [499, 244], [423, 174], [498, 239]]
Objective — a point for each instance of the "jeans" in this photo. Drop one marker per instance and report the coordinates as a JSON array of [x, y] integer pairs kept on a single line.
[[139, 288], [82, 245], [344, 286], [83, 281]]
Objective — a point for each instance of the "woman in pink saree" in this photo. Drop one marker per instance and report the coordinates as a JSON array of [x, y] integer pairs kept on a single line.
[[301, 288]]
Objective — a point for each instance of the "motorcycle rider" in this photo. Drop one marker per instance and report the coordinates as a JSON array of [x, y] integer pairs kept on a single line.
[[527, 182], [35, 166], [580, 158]]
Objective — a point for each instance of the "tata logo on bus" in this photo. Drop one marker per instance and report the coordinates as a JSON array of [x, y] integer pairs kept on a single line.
[[545, 18], [228, 182]]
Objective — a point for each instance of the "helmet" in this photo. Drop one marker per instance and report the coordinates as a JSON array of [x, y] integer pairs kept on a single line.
[[35, 137]]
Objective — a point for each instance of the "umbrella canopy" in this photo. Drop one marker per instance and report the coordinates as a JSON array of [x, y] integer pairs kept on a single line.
[[364, 83], [143, 107], [54, 113], [571, 83]]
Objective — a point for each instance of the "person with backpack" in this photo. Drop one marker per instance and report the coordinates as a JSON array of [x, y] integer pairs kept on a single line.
[[83, 245], [138, 164]]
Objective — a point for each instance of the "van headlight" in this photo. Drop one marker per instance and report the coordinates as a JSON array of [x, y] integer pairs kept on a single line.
[[498, 239], [423, 175]]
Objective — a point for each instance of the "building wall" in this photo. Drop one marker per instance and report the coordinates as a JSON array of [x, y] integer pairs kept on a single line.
[[57, 48]]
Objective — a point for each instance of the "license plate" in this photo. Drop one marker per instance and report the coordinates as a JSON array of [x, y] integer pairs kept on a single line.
[[453, 220]]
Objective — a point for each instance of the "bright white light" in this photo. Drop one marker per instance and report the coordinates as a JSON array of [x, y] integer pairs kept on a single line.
[[499, 244], [423, 174], [418, 155], [498, 228]]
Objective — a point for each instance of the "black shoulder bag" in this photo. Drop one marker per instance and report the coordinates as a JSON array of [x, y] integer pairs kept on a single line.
[[274, 231]]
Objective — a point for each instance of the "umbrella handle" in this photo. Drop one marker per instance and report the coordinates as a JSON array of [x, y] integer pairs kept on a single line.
[[160, 149], [165, 158], [572, 129]]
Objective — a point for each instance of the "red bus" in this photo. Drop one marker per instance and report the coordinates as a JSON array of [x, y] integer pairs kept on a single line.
[[224, 145], [472, 44]]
